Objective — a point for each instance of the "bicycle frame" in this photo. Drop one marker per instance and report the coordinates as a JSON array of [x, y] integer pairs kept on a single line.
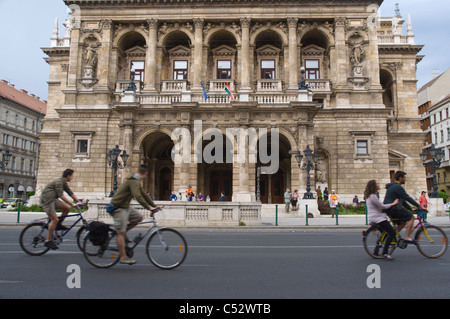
[[149, 231], [420, 223], [79, 214]]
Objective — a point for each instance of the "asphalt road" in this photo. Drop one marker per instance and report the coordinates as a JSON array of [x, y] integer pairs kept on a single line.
[[231, 264]]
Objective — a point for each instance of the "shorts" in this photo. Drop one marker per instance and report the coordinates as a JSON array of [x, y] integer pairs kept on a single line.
[[123, 216], [51, 207], [401, 214]]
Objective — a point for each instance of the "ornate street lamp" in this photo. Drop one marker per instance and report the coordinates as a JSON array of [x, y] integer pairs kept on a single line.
[[302, 86], [115, 164], [437, 155], [6, 155], [310, 162]]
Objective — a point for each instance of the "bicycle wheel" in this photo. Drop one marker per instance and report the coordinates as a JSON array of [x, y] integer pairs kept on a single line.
[[32, 239], [431, 241], [374, 240], [102, 256], [166, 248], [80, 236]]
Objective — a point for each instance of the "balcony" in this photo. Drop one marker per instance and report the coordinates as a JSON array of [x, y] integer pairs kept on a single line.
[[264, 85], [319, 86], [174, 86]]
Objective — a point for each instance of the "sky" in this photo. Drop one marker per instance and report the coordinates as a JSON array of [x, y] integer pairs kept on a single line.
[[27, 25]]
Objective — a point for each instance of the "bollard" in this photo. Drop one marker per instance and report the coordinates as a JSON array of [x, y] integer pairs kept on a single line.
[[18, 213], [276, 215], [337, 217], [307, 215]]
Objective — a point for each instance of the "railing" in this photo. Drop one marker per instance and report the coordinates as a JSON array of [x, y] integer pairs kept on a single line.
[[122, 85], [220, 85], [174, 86], [319, 85], [269, 85], [392, 39], [273, 98]]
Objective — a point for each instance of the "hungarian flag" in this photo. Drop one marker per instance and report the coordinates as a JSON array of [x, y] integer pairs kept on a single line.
[[227, 88]]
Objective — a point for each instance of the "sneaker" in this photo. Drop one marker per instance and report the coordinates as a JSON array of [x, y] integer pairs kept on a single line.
[[61, 227], [388, 257], [127, 261], [51, 244]]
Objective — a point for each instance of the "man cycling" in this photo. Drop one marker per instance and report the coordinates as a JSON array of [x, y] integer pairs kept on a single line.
[[52, 198], [125, 216], [394, 191]]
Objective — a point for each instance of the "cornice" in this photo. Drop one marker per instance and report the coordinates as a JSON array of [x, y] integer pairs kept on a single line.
[[185, 3]]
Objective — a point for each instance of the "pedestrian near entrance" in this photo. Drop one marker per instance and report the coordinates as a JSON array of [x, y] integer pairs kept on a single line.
[[52, 198], [287, 200], [294, 200]]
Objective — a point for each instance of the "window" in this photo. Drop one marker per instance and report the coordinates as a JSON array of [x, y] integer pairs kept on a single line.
[[362, 147], [312, 69], [267, 69], [139, 68], [180, 70], [31, 166], [223, 69], [82, 145]]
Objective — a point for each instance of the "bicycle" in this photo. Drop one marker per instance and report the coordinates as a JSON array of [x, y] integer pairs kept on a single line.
[[431, 240], [33, 236], [166, 248]]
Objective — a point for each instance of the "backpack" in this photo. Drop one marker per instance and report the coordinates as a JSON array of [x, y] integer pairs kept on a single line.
[[98, 233]]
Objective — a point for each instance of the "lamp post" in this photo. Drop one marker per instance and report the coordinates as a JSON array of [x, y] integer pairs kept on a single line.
[[302, 86], [437, 155], [310, 162], [114, 164], [6, 155]]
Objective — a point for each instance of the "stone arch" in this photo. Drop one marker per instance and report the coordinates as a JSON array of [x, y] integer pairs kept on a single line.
[[124, 33], [147, 132], [281, 33], [166, 31], [213, 29], [305, 28]]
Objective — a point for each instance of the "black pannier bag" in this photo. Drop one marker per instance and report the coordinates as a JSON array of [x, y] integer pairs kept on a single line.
[[98, 233]]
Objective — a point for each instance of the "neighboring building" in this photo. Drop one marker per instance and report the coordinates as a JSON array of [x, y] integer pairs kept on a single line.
[[21, 120], [432, 99], [361, 116], [440, 135]]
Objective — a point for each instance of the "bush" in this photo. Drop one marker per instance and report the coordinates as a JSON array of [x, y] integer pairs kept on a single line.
[[344, 209]]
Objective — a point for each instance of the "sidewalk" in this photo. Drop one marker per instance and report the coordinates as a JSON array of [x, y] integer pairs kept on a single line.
[[283, 221]]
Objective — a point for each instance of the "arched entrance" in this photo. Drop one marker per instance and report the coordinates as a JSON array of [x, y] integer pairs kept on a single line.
[[274, 184], [157, 148], [215, 170]]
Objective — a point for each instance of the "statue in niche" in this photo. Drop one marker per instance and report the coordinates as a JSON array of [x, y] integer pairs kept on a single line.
[[90, 60]]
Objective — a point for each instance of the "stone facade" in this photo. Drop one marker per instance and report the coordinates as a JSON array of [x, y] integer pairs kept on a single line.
[[359, 111]]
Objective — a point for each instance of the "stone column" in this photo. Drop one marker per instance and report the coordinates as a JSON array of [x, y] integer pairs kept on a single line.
[[245, 55], [73, 59], [373, 60], [104, 55], [293, 60], [198, 50], [341, 54], [150, 69]]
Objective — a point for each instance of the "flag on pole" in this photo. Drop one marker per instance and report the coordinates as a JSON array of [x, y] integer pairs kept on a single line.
[[227, 88], [204, 91]]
